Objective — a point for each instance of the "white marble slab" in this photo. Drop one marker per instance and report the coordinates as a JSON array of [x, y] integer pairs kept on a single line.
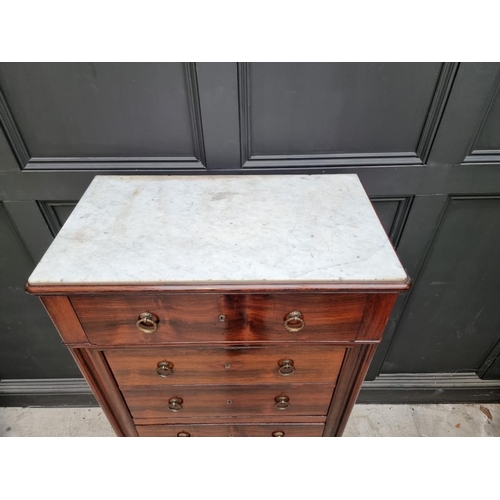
[[223, 229]]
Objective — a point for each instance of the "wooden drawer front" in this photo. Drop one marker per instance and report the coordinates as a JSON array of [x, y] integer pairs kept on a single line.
[[212, 401], [214, 430], [234, 365], [214, 318]]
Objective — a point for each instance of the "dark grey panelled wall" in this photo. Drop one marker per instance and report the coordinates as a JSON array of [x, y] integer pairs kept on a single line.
[[424, 139]]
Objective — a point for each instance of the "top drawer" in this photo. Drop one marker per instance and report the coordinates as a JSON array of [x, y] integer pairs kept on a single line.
[[217, 318]]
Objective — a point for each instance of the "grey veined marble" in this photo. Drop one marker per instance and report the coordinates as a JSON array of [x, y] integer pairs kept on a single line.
[[222, 229]]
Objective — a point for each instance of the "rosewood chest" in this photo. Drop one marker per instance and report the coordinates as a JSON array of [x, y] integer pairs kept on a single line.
[[222, 305]]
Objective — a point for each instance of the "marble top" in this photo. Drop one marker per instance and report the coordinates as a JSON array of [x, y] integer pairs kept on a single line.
[[221, 229]]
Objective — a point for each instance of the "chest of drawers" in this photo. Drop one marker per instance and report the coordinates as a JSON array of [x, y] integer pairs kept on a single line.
[[222, 306]]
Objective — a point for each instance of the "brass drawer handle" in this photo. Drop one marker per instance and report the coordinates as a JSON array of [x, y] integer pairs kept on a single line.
[[282, 402], [286, 367], [147, 323], [175, 404], [165, 369], [278, 434], [294, 322], [183, 434]]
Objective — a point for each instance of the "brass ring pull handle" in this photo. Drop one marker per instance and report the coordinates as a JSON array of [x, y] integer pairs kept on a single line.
[[294, 322], [165, 369], [183, 434], [278, 434], [286, 367], [282, 402], [175, 404], [147, 323]]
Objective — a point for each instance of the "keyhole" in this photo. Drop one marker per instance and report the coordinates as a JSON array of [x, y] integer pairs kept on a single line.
[[229, 402], [227, 366], [222, 317]]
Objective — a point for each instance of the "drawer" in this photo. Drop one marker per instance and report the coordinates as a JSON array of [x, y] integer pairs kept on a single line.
[[216, 318], [232, 365], [244, 430], [211, 401]]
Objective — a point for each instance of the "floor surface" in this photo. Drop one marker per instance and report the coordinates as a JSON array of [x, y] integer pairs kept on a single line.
[[366, 420]]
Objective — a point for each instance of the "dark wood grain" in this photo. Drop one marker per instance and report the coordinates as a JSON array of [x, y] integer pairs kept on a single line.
[[232, 288], [204, 344], [32, 348], [377, 312], [306, 399], [195, 318], [65, 320], [210, 430], [231, 365], [99, 377], [234, 420], [351, 378]]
